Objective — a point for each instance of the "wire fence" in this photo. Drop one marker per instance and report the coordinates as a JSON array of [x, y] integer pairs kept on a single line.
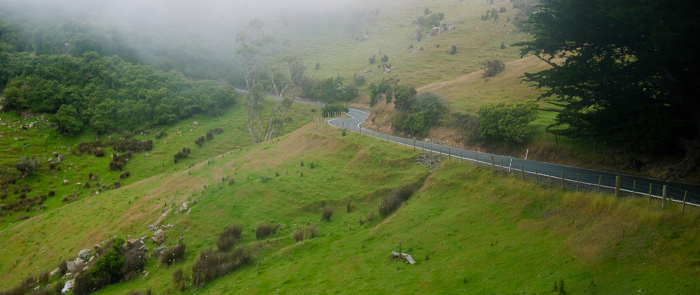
[[566, 177]]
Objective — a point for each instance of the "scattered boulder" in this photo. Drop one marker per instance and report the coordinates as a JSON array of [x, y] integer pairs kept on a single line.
[[71, 267], [54, 272], [183, 207], [67, 287], [159, 250], [154, 226], [159, 237], [65, 182], [84, 254], [135, 243]]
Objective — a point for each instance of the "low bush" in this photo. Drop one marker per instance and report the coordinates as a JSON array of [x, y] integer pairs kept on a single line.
[[348, 206], [298, 235], [98, 152], [327, 213], [182, 154], [173, 255], [493, 67], [133, 145], [265, 229], [119, 160], [178, 280], [229, 237], [210, 265], [200, 141]]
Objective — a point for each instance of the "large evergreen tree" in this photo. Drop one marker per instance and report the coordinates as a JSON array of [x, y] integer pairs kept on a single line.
[[625, 71]]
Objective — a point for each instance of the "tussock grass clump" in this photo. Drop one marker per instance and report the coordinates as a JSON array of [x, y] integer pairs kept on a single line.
[[133, 145], [178, 280], [327, 213], [392, 202], [182, 154], [265, 229], [229, 237], [210, 265], [348, 206], [24, 286], [306, 233], [173, 255]]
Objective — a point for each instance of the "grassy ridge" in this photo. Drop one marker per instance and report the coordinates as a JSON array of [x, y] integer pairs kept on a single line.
[[469, 230]]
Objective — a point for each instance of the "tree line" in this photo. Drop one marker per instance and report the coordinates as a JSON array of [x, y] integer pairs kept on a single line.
[[106, 93]]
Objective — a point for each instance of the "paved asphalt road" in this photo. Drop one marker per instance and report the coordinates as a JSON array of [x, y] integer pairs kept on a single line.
[[675, 190], [640, 185]]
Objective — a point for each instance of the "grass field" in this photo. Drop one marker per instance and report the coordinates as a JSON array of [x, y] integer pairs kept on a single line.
[[75, 169], [469, 230]]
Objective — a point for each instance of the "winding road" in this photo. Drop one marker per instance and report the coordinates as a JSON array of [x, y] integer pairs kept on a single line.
[[642, 186], [629, 183]]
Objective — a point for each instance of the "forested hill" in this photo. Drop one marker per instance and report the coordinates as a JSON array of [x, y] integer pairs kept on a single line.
[[89, 85]]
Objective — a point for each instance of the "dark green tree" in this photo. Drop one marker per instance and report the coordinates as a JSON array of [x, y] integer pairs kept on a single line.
[[630, 75], [68, 120]]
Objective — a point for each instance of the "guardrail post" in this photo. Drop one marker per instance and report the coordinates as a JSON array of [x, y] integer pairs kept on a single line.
[[684, 198], [461, 157], [477, 159], [618, 179], [650, 184], [414, 144], [663, 196], [449, 154], [549, 178], [599, 179], [634, 188], [563, 187], [537, 177], [493, 165], [522, 172], [502, 168]]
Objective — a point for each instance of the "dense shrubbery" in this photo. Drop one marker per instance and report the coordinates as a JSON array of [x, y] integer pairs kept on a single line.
[[506, 123], [93, 91], [119, 160], [333, 110], [117, 262], [329, 90], [425, 111]]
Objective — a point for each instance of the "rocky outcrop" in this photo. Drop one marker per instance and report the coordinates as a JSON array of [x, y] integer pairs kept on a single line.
[[430, 160], [159, 237]]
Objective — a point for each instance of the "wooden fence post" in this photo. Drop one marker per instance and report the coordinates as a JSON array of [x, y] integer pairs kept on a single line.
[[563, 187], [537, 177], [414, 144], [684, 198], [449, 154], [634, 188], [578, 181], [617, 186], [461, 158], [650, 184], [477, 159], [599, 179], [522, 172], [663, 197], [493, 165], [549, 178], [502, 165]]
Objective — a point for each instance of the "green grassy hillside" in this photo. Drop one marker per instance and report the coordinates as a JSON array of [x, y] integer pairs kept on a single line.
[[391, 32], [471, 232], [41, 143]]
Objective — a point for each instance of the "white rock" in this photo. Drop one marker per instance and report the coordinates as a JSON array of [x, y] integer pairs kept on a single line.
[[67, 287]]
